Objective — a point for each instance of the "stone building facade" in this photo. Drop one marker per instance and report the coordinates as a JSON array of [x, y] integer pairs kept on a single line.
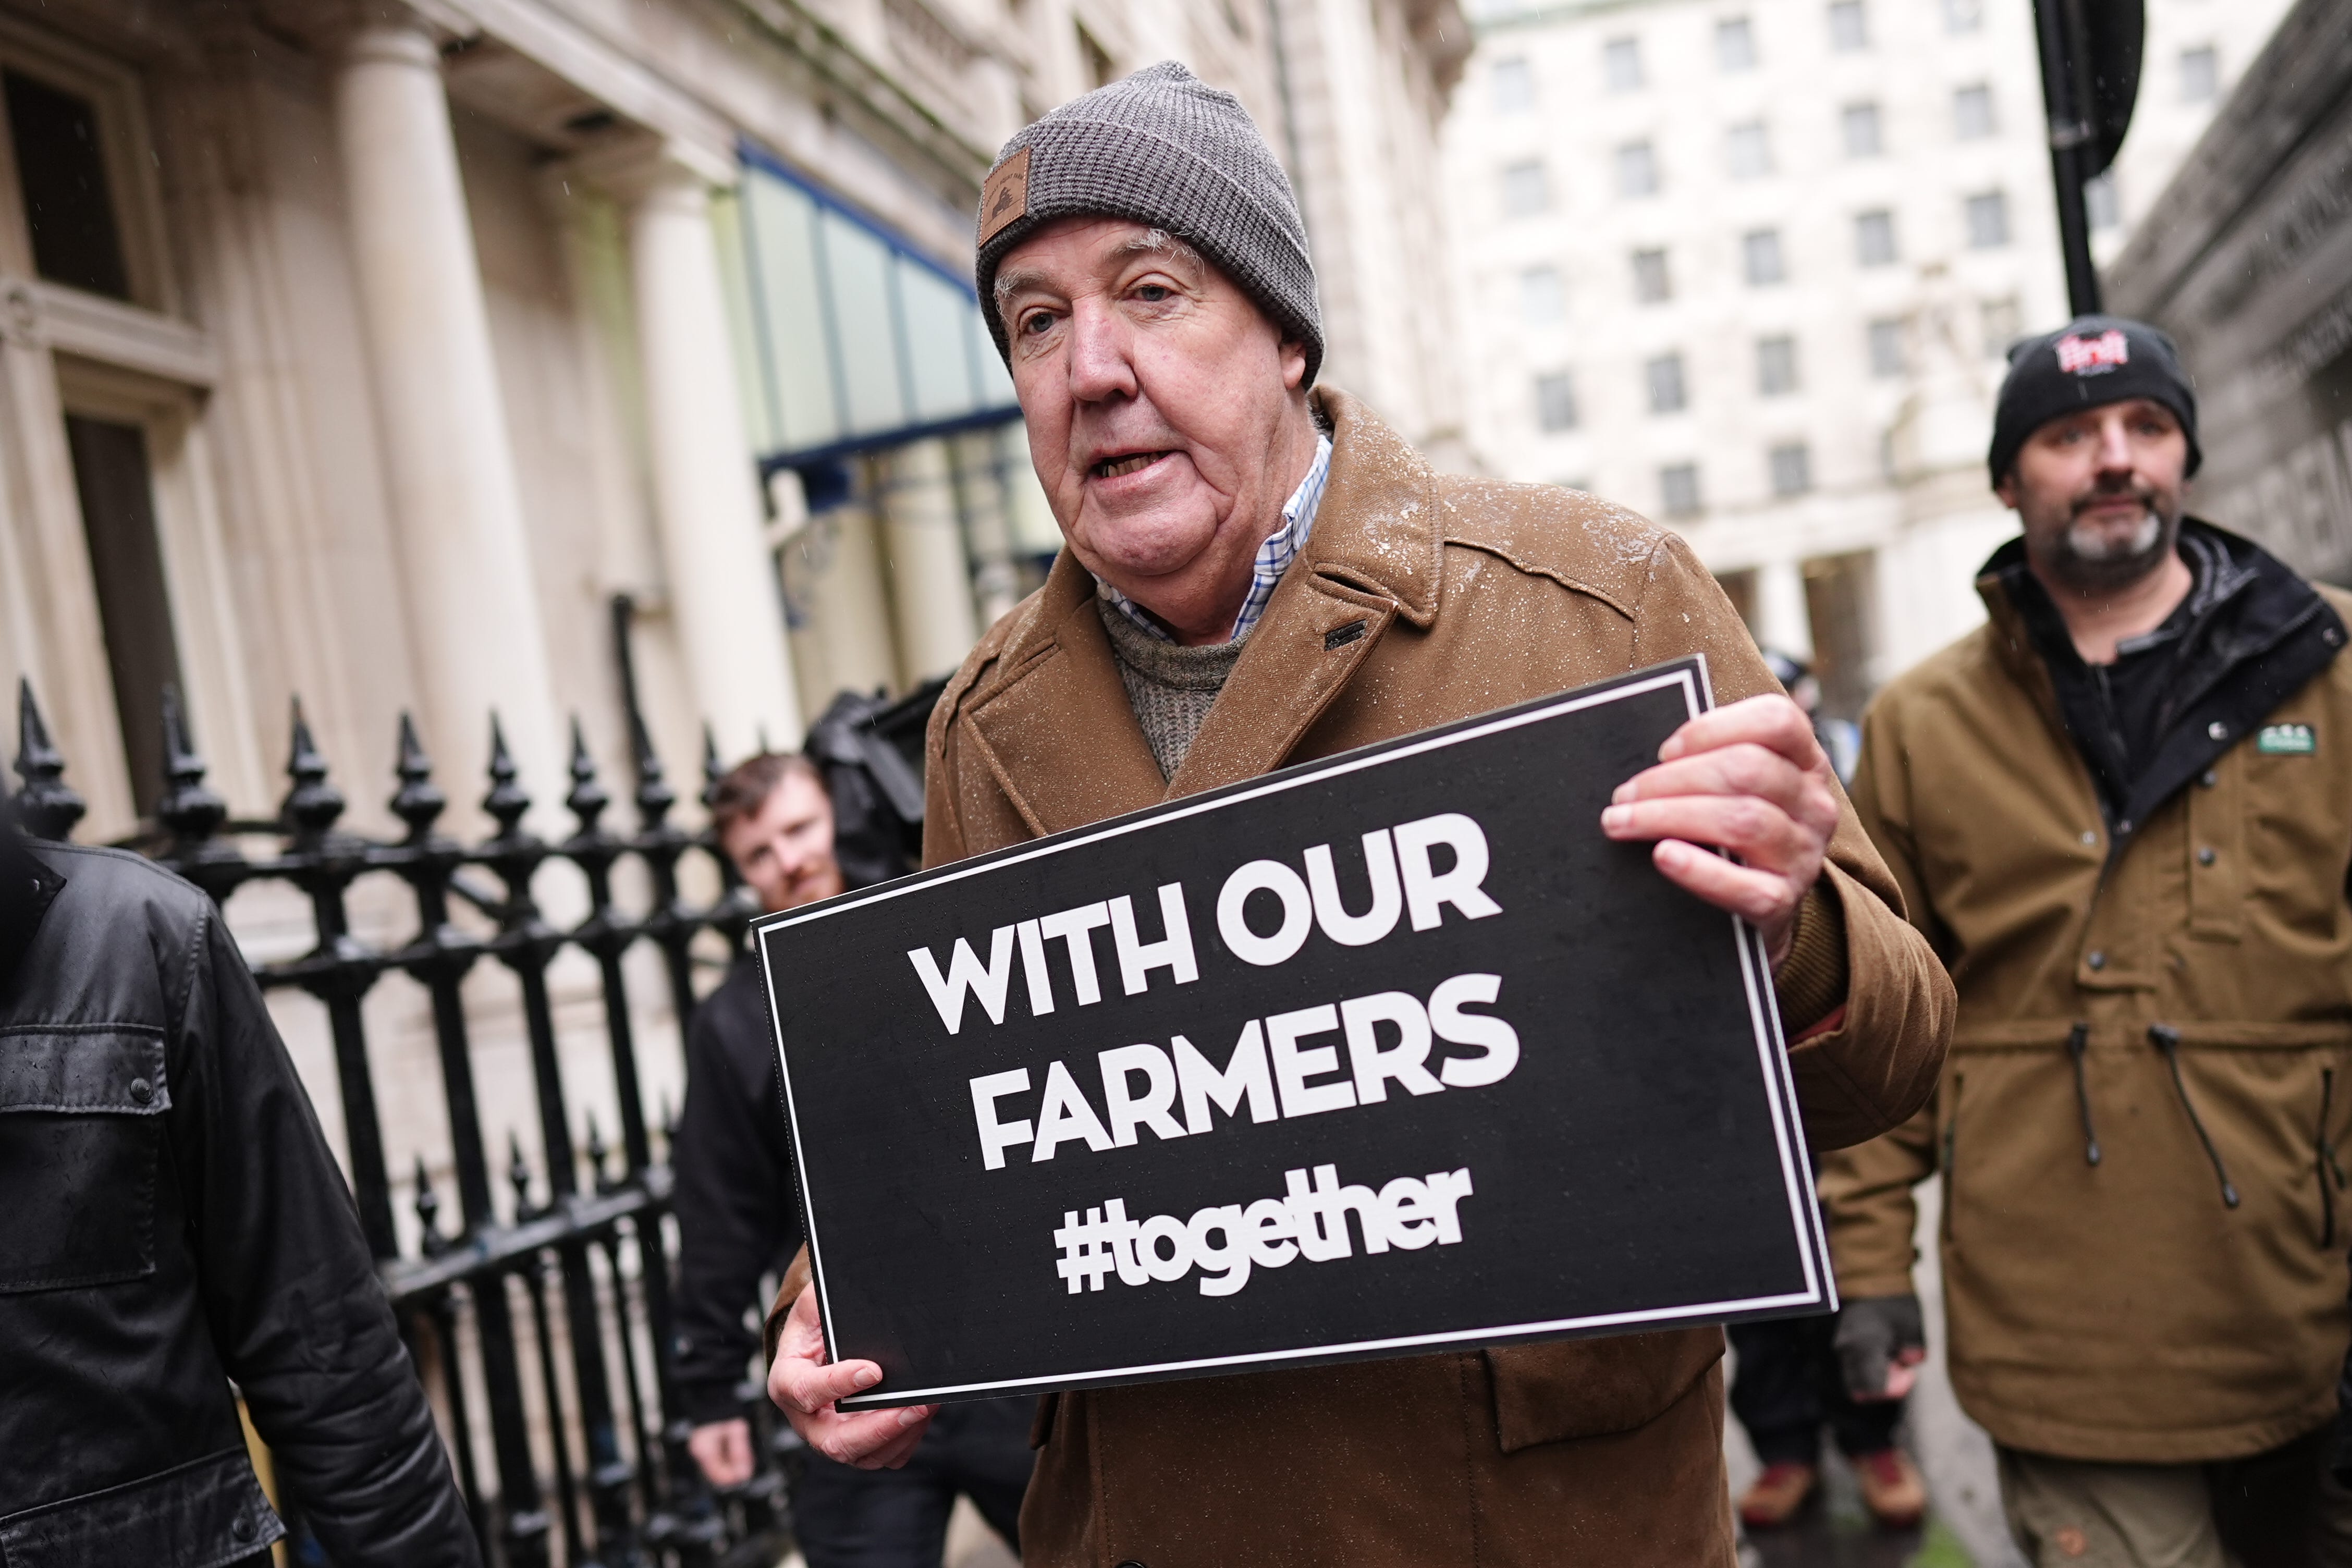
[[2252, 274], [1749, 266]]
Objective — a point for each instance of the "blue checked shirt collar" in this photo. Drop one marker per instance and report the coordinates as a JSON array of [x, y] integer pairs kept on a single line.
[[1273, 557]]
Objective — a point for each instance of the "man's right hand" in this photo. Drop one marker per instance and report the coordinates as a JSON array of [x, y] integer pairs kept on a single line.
[[1879, 1345], [805, 1384]]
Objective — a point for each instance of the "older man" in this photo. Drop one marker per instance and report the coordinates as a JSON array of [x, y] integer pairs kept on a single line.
[[1258, 573], [2121, 810]]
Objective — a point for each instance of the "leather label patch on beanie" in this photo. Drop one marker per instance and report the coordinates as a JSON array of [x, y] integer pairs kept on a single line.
[[1005, 197]]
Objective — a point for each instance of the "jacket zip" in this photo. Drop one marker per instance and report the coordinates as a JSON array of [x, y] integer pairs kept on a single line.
[[2167, 1039], [1951, 1139], [2078, 1040], [2323, 1159]]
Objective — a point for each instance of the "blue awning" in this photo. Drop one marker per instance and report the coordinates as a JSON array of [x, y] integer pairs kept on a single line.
[[855, 341]]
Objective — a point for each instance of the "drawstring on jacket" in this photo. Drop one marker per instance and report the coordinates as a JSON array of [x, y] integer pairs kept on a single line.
[[2078, 1040], [2325, 1158], [2167, 1039]]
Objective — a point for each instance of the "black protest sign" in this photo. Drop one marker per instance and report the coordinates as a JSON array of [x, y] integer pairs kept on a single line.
[[1386, 1053]]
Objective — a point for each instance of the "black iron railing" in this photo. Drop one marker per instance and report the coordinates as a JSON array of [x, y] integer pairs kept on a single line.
[[548, 1327]]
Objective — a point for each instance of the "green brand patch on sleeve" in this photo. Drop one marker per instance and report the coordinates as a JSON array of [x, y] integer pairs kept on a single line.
[[2286, 741]]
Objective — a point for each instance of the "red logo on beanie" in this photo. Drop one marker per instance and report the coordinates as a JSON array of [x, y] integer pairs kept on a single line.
[[2088, 356]]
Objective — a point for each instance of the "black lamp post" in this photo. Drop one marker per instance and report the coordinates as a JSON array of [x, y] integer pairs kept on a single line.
[[2090, 77]]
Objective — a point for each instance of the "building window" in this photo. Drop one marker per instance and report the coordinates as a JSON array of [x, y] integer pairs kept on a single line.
[[1972, 112], [1849, 29], [1525, 190], [1760, 256], [1665, 374], [1775, 366], [1963, 15], [1678, 490], [2003, 321], [1653, 284], [1885, 348], [1637, 170], [1860, 123], [61, 170], [1749, 152], [1793, 468], [1513, 82], [1621, 63], [116, 488], [1735, 44], [2201, 75], [2101, 202], [1542, 300], [1987, 221], [1874, 240], [1556, 402]]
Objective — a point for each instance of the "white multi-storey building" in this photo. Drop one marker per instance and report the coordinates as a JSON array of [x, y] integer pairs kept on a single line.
[[1749, 266]]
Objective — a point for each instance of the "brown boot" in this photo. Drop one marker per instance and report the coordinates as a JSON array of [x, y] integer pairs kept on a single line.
[[1778, 1494], [1891, 1488]]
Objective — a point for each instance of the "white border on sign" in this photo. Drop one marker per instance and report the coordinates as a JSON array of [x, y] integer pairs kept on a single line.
[[1755, 968]]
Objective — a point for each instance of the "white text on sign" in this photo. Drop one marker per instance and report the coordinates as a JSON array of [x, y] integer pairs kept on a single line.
[[1399, 868], [1388, 1036], [1411, 1213]]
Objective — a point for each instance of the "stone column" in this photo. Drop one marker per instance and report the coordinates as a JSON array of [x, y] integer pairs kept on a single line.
[[1783, 624], [472, 607], [726, 609], [931, 575]]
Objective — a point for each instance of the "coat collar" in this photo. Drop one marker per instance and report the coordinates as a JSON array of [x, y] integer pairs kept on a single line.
[[1057, 729], [27, 887]]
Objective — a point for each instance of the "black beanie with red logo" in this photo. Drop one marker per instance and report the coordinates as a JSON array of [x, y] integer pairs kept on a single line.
[[2090, 361]]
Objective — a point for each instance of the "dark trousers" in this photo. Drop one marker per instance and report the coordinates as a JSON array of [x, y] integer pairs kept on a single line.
[[849, 1518], [1786, 1388]]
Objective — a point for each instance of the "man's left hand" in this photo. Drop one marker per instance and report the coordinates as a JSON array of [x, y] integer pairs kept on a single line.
[[1749, 778]]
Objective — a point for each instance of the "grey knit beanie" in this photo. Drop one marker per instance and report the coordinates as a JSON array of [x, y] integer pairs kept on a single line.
[[1162, 148]]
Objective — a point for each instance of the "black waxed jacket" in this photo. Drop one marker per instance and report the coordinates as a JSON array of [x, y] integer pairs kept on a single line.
[[738, 1212], [171, 1219]]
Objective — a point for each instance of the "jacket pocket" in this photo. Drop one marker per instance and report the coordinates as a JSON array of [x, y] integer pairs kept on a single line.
[[201, 1514], [1591, 1388], [81, 1138]]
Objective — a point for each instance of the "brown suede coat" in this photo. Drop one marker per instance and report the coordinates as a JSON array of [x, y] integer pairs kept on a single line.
[[2123, 1310], [1476, 594]]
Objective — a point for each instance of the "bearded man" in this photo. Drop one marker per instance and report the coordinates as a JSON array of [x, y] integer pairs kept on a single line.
[[1258, 573], [2122, 812]]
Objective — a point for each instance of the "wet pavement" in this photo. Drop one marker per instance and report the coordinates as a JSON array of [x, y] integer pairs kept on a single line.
[[1964, 1528]]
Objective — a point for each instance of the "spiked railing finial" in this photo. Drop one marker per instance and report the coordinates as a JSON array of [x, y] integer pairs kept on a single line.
[[311, 806], [588, 798], [47, 806], [506, 802], [654, 797], [418, 801], [713, 770], [191, 810]]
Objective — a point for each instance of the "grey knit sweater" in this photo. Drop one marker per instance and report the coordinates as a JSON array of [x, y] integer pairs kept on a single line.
[[1169, 687]]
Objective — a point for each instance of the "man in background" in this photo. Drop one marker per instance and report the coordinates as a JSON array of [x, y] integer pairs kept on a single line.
[[2122, 813], [739, 1220]]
